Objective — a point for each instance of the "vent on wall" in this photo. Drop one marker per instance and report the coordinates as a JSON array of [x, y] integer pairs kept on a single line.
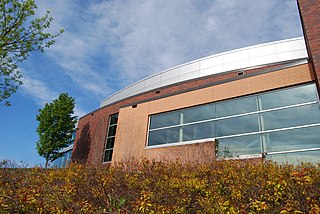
[[239, 73]]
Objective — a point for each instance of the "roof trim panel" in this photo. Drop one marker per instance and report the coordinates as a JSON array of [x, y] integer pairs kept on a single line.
[[238, 59]]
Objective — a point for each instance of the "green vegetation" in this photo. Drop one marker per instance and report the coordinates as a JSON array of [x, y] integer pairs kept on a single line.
[[161, 187], [56, 126], [20, 33]]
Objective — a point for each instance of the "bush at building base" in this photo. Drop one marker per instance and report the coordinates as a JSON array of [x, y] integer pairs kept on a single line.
[[163, 187]]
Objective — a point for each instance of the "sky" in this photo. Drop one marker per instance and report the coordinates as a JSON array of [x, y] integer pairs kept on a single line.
[[109, 44]]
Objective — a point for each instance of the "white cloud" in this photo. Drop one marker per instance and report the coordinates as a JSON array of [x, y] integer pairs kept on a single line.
[[41, 94], [112, 43], [152, 35], [37, 89]]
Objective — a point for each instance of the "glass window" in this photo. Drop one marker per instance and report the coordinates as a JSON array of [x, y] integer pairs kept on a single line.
[[110, 142], [199, 131], [235, 146], [302, 138], [69, 157], [157, 137], [200, 113], [73, 136], [297, 116], [163, 136], [108, 155], [227, 130], [288, 97], [166, 119], [296, 157], [112, 129], [63, 160], [57, 162], [113, 119], [238, 125], [238, 106]]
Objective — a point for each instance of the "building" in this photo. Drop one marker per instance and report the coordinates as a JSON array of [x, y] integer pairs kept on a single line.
[[256, 102], [65, 158]]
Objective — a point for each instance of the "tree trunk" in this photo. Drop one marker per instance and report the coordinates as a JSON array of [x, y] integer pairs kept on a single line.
[[47, 162]]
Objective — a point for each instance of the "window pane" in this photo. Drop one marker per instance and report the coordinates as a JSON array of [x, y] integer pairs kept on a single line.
[[57, 162], [108, 155], [238, 106], [296, 157], [113, 119], [110, 143], [199, 131], [235, 146], [69, 157], [63, 161], [302, 115], [73, 136], [112, 131], [164, 136], [303, 138], [166, 119], [287, 97], [238, 125], [199, 113]]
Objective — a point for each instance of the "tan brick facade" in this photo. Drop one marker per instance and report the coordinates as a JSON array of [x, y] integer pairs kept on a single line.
[[132, 131]]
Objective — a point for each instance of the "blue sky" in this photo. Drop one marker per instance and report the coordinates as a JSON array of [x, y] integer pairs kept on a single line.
[[109, 44]]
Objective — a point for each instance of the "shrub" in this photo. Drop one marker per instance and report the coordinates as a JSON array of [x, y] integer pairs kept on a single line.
[[162, 187]]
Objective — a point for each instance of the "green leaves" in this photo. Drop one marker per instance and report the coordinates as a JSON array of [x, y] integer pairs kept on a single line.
[[56, 126], [20, 34]]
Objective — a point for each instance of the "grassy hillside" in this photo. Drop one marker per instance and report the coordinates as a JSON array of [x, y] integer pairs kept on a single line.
[[163, 187]]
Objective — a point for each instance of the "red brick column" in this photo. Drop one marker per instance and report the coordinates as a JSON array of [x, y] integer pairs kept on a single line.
[[310, 18]]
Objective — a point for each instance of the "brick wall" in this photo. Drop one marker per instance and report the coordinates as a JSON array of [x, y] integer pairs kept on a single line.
[[92, 128], [132, 130], [310, 17], [91, 135]]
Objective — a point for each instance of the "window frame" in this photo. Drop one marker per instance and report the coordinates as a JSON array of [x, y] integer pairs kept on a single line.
[[109, 137], [259, 112]]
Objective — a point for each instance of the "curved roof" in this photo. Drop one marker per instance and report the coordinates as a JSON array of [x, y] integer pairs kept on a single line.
[[244, 58]]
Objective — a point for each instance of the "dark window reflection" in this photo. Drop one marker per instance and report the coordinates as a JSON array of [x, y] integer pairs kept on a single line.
[[205, 112], [108, 155], [110, 142], [112, 131], [113, 119], [302, 138], [112, 128], [238, 125], [288, 97], [166, 119], [232, 147], [297, 116], [238, 106], [199, 131], [164, 136]]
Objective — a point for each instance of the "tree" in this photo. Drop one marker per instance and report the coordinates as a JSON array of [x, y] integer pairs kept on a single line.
[[56, 126], [20, 33]]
